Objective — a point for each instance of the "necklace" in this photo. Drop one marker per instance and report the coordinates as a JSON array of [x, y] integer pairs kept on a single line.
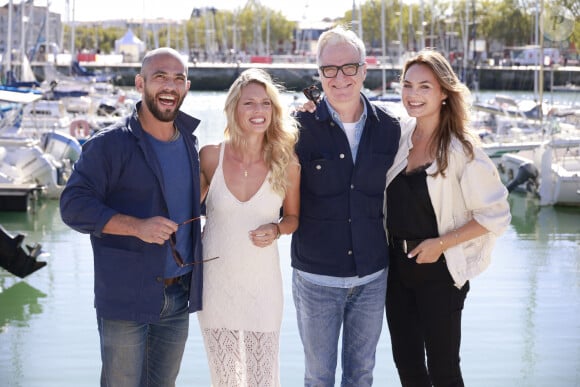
[[175, 134], [245, 166]]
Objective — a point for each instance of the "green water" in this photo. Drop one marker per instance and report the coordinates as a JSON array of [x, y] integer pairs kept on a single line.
[[521, 324]]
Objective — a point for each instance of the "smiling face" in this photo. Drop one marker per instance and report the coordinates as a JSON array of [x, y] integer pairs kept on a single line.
[[163, 84], [342, 89], [254, 109], [421, 94]]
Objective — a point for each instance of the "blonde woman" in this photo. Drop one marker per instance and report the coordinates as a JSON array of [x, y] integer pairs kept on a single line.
[[246, 180]]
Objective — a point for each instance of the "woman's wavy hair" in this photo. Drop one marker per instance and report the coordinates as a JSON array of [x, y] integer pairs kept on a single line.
[[281, 136], [455, 113]]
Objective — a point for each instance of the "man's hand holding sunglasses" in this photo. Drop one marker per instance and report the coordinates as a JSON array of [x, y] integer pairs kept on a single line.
[[156, 229]]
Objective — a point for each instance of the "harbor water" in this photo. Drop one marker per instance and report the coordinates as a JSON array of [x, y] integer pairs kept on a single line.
[[521, 324]]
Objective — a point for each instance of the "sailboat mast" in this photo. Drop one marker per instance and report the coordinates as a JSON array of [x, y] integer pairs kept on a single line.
[[400, 32], [22, 49], [541, 73], [383, 48], [46, 30], [8, 60], [465, 42], [537, 44], [72, 37]]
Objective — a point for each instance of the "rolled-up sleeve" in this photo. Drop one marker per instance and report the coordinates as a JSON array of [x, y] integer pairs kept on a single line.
[[82, 204], [484, 194]]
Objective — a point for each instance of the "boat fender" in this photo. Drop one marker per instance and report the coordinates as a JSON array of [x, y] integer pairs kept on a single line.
[[80, 128]]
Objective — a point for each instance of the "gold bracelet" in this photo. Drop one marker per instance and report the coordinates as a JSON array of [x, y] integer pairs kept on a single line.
[[455, 234], [278, 233]]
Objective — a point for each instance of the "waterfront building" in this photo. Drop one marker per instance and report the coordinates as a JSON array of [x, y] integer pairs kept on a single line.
[[30, 26]]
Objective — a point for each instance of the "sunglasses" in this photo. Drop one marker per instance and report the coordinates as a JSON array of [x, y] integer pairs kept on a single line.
[[312, 93], [173, 243]]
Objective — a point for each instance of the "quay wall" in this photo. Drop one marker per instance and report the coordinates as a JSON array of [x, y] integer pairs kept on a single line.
[[219, 76]]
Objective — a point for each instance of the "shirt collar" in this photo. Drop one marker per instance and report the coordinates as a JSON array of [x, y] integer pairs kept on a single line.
[[336, 116]]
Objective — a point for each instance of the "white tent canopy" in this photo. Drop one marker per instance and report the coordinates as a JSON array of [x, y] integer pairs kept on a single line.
[[130, 46]]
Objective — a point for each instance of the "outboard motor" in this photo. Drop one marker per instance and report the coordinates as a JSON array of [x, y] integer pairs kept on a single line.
[[527, 172], [17, 259]]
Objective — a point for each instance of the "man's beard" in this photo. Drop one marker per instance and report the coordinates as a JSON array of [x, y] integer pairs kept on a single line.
[[163, 116]]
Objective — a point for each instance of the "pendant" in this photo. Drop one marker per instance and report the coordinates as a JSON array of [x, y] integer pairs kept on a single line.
[[245, 173]]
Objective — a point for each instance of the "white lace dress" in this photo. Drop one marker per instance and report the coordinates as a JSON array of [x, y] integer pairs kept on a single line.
[[242, 290]]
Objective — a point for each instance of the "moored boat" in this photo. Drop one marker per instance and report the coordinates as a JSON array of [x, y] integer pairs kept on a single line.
[[31, 168], [550, 171]]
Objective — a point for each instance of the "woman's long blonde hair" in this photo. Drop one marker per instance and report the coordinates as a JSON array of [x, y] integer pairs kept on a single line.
[[455, 114], [281, 136]]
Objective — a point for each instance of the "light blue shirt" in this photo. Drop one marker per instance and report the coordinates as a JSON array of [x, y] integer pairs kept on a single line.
[[359, 126]]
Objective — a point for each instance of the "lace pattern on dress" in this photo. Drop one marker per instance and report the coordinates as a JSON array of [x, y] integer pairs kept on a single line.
[[228, 351]]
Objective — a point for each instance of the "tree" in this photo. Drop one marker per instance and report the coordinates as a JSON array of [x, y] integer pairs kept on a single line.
[[93, 37], [253, 28], [259, 30]]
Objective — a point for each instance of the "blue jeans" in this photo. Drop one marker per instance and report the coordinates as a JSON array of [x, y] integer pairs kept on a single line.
[[321, 312], [146, 354]]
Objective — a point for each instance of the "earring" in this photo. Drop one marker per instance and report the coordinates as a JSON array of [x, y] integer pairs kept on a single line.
[[443, 102]]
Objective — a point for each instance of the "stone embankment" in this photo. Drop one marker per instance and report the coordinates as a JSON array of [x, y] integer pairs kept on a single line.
[[295, 76]]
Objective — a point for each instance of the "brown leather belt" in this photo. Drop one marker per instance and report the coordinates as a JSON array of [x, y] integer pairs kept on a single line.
[[171, 281]]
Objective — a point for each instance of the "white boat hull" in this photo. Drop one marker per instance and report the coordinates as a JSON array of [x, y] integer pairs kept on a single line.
[[557, 167], [27, 166]]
